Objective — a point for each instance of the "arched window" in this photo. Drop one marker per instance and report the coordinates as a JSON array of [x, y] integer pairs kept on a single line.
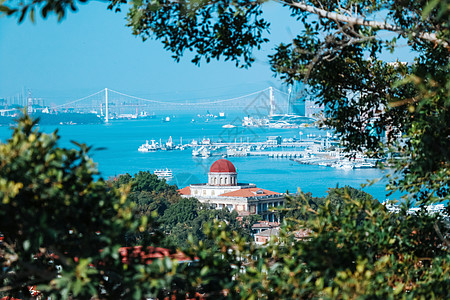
[[220, 180], [226, 180]]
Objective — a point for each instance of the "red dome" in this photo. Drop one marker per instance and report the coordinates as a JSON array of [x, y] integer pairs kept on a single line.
[[222, 166]]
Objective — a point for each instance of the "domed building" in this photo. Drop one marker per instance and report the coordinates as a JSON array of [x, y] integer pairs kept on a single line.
[[224, 191], [222, 173]]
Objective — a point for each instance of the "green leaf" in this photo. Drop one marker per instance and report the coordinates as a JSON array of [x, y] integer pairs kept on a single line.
[[429, 7], [26, 245], [32, 15]]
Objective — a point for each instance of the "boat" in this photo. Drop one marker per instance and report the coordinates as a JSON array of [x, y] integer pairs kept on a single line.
[[343, 166], [228, 126], [283, 125], [255, 122], [206, 141], [169, 144], [166, 119], [148, 147], [202, 151], [163, 174], [364, 165], [221, 115]]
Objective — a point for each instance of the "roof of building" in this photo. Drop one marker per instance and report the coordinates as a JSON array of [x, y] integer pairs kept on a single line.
[[149, 254], [302, 233], [185, 191], [251, 192], [222, 166], [269, 232], [265, 224]]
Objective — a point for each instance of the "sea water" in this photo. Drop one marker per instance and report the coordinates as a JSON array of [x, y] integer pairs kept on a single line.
[[115, 151]]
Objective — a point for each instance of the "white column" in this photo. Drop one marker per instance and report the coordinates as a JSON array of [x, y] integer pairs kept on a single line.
[[106, 98], [272, 101]]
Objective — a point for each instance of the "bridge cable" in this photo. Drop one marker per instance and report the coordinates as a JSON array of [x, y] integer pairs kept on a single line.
[[190, 104], [78, 100]]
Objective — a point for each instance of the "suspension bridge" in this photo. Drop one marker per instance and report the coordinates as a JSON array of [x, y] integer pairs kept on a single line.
[[111, 104]]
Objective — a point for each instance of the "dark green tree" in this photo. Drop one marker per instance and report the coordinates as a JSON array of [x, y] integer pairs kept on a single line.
[[53, 213]]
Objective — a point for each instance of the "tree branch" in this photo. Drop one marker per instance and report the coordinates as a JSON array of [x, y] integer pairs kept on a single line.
[[364, 22]]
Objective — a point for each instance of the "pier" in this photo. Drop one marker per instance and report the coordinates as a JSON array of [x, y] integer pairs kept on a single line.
[[319, 151]]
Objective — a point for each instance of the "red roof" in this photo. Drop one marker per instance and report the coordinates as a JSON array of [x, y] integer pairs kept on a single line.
[[250, 192], [185, 191], [152, 253], [265, 224], [222, 166]]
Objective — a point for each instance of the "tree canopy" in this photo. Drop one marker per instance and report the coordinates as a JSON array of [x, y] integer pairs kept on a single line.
[[53, 213]]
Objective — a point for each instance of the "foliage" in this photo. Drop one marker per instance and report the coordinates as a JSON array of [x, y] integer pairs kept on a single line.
[[147, 193], [381, 256], [184, 223], [21, 9], [348, 255], [293, 209], [178, 219], [53, 213]]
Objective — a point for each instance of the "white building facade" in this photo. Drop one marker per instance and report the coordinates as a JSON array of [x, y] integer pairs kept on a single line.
[[223, 191]]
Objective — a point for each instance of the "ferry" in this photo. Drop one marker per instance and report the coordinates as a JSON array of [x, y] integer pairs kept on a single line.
[[163, 174]]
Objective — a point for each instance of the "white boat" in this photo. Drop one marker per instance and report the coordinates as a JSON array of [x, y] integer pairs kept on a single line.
[[364, 165], [202, 151], [166, 119], [169, 144], [195, 152], [163, 174], [148, 147], [206, 141], [283, 124], [345, 166], [228, 126]]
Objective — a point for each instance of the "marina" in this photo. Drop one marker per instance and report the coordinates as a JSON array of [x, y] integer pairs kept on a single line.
[[319, 151]]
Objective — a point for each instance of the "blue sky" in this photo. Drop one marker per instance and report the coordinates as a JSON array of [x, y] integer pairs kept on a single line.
[[93, 49]]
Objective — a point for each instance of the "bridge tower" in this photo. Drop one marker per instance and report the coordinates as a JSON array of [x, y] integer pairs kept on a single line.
[[271, 101], [106, 104]]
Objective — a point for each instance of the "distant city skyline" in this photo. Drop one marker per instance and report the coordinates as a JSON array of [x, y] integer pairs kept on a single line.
[[92, 49]]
